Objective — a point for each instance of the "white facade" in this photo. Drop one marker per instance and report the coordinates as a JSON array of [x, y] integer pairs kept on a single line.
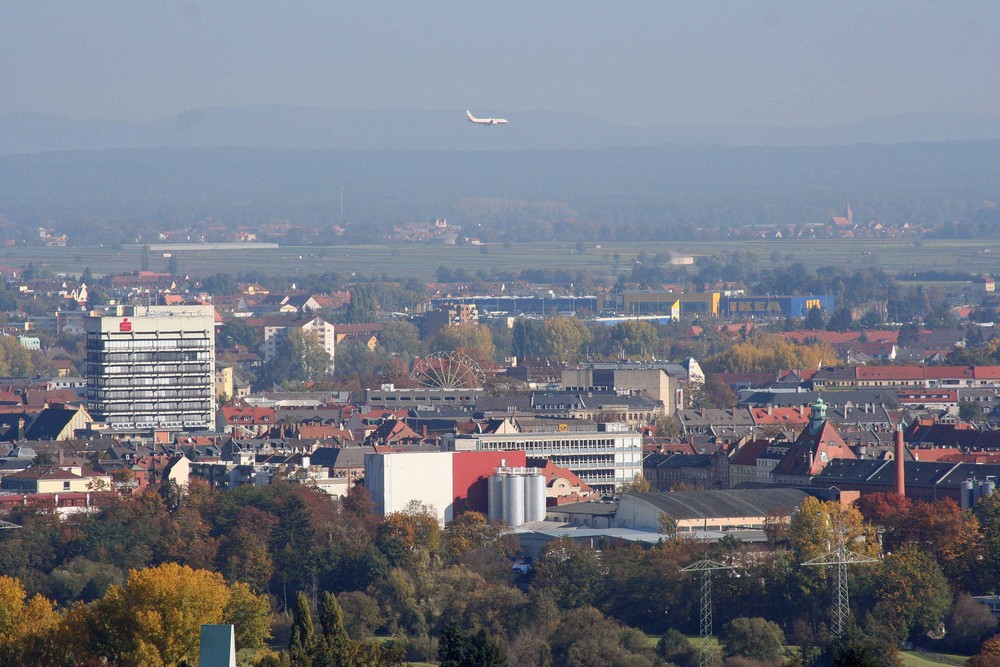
[[603, 460], [396, 478], [152, 367], [273, 333]]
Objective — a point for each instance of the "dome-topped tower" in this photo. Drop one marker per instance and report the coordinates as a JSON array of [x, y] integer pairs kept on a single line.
[[818, 416]]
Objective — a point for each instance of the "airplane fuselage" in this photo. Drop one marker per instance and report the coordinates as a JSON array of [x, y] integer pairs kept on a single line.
[[485, 121]]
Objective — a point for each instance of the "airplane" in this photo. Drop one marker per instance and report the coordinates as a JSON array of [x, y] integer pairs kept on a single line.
[[485, 121]]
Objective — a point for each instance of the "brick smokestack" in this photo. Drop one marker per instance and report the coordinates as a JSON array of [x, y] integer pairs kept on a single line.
[[900, 478]]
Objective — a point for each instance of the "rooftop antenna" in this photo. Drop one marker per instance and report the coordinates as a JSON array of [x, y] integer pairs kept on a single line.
[[841, 557], [706, 567]]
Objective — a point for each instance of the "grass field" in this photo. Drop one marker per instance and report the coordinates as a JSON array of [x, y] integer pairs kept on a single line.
[[421, 261], [913, 659]]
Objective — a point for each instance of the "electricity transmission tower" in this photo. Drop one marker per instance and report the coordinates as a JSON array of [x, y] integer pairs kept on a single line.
[[841, 557], [706, 567]]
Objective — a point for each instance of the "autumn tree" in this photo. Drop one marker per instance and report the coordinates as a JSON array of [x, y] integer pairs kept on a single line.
[[472, 530], [156, 617], [968, 623], [818, 527], [638, 484], [562, 338], [22, 619], [416, 527], [772, 353], [636, 338], [947, 531], [474, 340]]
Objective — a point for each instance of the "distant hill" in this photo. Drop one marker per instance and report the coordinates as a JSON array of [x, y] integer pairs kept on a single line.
[[316, 128], [919, 182]]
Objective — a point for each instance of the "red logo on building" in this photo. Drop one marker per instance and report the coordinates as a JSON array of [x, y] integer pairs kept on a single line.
[[125, 325]]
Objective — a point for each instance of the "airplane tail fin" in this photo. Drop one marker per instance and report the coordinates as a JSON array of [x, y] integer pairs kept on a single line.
[[469, 115]]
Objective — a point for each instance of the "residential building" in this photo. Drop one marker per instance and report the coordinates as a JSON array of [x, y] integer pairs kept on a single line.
[[152, 367], [278, 327]]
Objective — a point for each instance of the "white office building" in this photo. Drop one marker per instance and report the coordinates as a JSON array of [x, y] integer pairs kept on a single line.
[[151, 367], [605, 460]]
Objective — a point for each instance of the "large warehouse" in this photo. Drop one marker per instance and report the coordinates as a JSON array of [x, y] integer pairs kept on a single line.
[[730, 510], [775, 306]]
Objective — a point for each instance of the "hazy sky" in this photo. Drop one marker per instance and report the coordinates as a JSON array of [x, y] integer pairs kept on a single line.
[[639, 63]]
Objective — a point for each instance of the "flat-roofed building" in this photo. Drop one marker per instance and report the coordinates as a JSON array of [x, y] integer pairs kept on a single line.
[[603, 459], [151, 367]]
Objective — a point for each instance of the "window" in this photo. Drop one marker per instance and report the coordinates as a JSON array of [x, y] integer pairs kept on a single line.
[[65, 486]]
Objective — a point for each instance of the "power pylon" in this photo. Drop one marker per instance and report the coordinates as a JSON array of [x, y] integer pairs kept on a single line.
[[840, 557], [706, 567]]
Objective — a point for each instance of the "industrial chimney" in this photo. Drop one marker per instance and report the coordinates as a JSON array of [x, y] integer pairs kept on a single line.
[[900, 478]]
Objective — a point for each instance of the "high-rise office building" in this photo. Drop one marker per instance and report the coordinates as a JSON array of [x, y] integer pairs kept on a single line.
[[151, 367]]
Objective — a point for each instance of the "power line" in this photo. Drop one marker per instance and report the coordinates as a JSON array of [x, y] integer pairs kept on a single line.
[[840, 557], [706, 567]]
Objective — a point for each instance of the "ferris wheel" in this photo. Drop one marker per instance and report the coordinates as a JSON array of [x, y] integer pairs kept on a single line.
[[448, 370]]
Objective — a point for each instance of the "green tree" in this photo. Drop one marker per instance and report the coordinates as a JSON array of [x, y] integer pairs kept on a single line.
[[970, 411], [402, 338], [840, 320], [912, 592], [302, 639], [813, 319], [453, 645], [299, 357], [675, 648], [485, 651], [527, 338], [987, 511], [860, 649], [363, 306], [755, 638], [238, 332], [570, 572]]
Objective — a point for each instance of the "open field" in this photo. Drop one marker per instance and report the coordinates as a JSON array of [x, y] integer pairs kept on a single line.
[[914, 659], [421, 261]]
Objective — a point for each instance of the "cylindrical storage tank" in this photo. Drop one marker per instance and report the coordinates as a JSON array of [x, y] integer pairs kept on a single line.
[[966, 493], [513, 500], [534, 498], [494, 497], [988, 489]]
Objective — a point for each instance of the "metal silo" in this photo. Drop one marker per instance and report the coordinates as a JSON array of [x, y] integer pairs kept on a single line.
[[513, 500], [534, 498], [494, 497], [966, 491]]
